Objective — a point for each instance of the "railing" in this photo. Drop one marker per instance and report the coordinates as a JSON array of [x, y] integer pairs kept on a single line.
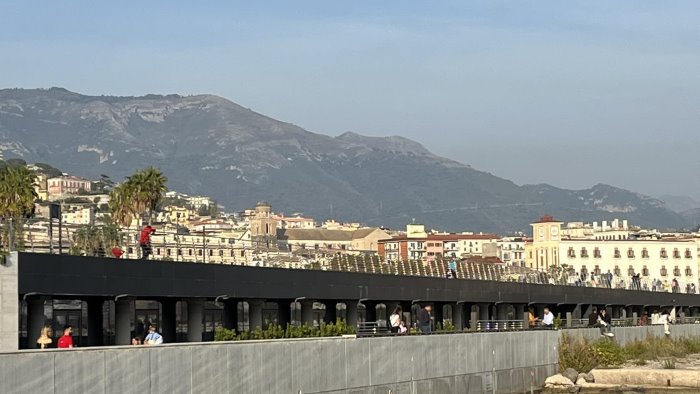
[[213, 246], [500, 325]]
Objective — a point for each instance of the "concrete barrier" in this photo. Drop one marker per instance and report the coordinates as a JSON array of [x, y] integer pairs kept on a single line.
[[507, 362], [458, 363]]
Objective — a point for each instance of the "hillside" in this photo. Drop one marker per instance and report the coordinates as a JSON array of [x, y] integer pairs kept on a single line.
[[209, 145]]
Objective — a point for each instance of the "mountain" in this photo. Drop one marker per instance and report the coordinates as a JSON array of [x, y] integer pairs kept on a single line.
[[680, 203], [206, 144]]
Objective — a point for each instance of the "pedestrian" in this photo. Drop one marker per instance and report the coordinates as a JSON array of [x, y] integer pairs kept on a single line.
[[425, 319], [135, 341], [453, 269], [145, 241], [593, 318], [45, 338], [548, 318], [153, 337], [644, 320], [605, 323], [665, 319], [531, 318], [66, 341], [395, 320]]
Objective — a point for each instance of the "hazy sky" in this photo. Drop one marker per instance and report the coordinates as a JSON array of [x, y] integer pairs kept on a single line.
[[568, 93]]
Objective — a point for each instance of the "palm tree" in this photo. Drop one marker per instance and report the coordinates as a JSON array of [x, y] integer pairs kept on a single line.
[[139, 194], [17, 198], [122, 205], [149, 189]]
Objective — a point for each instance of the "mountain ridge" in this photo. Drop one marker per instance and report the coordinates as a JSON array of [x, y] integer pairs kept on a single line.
[[211, 145]]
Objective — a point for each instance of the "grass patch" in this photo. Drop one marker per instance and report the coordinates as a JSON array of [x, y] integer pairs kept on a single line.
[[583, 355]]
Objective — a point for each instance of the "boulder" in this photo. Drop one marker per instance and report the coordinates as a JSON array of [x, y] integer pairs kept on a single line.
[[587, 377], [580, 381], [558, 381], [570, 374]]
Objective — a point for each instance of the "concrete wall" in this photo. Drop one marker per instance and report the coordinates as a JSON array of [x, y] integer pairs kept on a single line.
[[9, 304], [458, 363]]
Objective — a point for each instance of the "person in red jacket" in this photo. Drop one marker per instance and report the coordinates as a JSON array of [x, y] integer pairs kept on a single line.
[[66, 341], [145, 241]]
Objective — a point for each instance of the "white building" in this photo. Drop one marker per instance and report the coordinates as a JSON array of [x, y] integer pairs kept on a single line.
[[511, 250], [619, 251]]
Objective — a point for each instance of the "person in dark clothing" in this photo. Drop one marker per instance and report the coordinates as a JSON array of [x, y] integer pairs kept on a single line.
[[593, 318], [145, 241], [425, 321]]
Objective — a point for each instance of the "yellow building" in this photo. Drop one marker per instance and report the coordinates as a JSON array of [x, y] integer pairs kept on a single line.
[[544, 250]]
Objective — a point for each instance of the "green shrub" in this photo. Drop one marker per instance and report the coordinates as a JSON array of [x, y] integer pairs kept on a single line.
[[576, 354], [668, 363], [608, 353]]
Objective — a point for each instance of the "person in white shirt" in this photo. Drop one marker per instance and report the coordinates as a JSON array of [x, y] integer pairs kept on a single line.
[[153, 338], [548, 319], [395, 320]]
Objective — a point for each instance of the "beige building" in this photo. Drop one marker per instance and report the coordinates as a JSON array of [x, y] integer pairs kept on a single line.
[[320, 239], [621, 252]]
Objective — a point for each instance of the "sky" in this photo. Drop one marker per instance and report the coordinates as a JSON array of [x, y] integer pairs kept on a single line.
[[568, 93]]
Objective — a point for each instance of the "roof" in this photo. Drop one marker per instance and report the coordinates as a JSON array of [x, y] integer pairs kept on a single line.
[[548, 219], [445, 237], [322, 234]]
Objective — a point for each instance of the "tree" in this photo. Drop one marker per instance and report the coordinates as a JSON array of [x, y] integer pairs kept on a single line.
[[17, 198], [140, 193]]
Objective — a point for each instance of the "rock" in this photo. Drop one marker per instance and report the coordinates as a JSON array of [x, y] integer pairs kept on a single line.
[[558, 381], [580, 381], [570, 374], [587, 377]]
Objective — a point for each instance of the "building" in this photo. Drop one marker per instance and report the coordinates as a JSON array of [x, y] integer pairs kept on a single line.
[[364, 240], [197, 202], [616, 250], [417, 244], [68, 185], [41, 186], [78, 215], [511, 250], [263, 227], [294, 222]]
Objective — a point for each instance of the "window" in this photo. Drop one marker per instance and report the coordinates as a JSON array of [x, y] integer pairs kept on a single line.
[[688, 254], [664, 254], [630, 271], [597, 270], [596, 253], [584, 270], [645, 271], [617, 253], [676, 253], [645, 253], [617, 271], [179, 252], [663, 270], [571, 252], [676, 271], [630, 253], [584, 252], [688, 271]]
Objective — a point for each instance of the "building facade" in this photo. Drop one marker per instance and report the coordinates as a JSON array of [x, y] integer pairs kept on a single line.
[[67, 185], [615, 251]]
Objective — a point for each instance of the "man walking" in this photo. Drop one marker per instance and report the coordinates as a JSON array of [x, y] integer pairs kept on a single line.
[[145, 241], [425, 320]]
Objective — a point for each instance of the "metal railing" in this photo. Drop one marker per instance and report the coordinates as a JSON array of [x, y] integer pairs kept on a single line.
[[230, 247]]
